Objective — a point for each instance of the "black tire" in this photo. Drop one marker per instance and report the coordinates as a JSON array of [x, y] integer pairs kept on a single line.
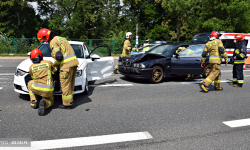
[[157, 74], [86, 88], [206, 70]]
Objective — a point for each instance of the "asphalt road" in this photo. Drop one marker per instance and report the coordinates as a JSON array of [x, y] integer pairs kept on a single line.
[[175, 113]]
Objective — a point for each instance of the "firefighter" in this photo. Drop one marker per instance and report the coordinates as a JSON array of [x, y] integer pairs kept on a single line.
[[179, 50], [216, 51], [239, 56], [42, 83], [127, 48], [66, 60]]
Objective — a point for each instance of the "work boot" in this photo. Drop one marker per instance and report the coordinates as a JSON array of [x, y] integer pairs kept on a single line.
[[116, 71], [34, 104], [64, 107], [188, 79], [203, 88], [218, 88], [236, 85], [41, 109]]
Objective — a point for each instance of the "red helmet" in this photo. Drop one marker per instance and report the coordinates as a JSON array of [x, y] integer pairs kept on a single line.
[[35, 53], [239, 37], [214, 34], [43, 35]]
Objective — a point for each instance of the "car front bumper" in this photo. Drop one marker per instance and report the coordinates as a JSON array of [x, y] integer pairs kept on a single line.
[[20, 85], [138, 73]]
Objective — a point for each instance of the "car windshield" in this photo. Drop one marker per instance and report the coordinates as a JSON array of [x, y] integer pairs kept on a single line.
[[162, 49], [45, 48], [201, 38]]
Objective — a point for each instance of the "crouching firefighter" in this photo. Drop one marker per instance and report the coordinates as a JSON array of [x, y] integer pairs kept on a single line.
[[65, 57], [127, 48], [239, 56], [216, 51], [42, 84]]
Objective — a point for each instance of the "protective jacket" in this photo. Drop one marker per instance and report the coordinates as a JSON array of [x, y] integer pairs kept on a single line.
[[41, 74], [240, 52], [127, 47], [69, 58], [216, 51]]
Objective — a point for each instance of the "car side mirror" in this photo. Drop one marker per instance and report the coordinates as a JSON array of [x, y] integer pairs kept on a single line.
[[177, 55], [93, 57]]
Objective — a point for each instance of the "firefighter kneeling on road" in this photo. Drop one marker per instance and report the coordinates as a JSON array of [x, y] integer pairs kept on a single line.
[[216, 51], [42, 84], [127, 48], [239, 56], [65, 57]]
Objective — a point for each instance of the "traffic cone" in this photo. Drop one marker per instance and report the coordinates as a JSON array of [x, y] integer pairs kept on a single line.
[[244, 67]]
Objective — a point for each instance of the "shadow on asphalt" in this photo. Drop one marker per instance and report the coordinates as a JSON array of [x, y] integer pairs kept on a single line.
[[169, 79], [79, 99]]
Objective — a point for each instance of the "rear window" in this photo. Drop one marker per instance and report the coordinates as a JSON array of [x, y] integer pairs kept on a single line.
[[229, 43]]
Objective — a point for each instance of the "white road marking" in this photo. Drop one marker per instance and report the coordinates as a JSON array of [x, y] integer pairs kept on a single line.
[[222, 81], [7, 74], [1, 88], [87, 141], [105, 85], [237, 123]]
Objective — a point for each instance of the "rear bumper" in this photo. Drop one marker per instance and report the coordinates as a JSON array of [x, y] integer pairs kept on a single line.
[[137, 73]]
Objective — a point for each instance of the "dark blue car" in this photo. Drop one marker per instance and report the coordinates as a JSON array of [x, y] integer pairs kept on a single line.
[[162, 61]]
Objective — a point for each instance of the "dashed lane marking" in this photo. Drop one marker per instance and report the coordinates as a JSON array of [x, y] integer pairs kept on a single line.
[[237, 123], [88, 141], [1, 88], [223, 81], [106, 85], [6, 74]]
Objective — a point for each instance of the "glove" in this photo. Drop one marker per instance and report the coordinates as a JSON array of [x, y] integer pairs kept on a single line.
[[226, 62], [202, 65], [134, 49], [59, 56]]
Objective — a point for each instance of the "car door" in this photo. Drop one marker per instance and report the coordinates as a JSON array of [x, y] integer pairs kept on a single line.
[[100, 63], [188, 61]]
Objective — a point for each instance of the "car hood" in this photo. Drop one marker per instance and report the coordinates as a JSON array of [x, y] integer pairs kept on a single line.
[[25, 65], [139, 57]]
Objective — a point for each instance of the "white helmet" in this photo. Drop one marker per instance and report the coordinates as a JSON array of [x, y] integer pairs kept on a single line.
[[128, 34]]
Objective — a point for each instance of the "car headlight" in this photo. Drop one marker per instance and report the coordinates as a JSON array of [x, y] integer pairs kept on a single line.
[[142, 66], [19, 72], [79, 73]]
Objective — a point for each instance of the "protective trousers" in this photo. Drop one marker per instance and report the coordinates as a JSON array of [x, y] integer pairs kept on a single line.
[[213, 76], [47, 95], [67, 80], [238, 77]]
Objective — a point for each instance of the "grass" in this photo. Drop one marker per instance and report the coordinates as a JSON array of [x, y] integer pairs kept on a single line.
[[14, 55]]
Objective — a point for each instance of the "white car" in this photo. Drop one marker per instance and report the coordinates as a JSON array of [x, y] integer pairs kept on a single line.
[[91, 67]]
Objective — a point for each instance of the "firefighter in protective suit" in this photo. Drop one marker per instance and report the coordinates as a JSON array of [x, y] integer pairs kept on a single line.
[[216, 51], [239, 56], [42, 84], [66, 60], [127, 48], [145, 44]]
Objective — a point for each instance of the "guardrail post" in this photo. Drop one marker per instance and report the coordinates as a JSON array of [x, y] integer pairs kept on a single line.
[[113, 46], [15, 46], [90, 44]]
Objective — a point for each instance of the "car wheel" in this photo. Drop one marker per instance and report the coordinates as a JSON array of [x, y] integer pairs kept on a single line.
[[157, 74], [206, 70], [86, 89]]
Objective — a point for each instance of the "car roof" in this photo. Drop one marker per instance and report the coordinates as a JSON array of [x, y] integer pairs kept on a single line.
[[72, 42]]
